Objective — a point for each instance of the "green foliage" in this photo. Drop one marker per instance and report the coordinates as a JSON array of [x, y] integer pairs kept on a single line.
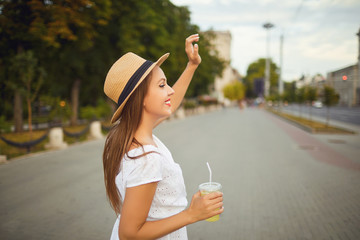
[[301, 95], [289, 94], [234, 91], [273, 97], [306, 94], [311, 94], [56, 22], [257, 70], [101, 110], [4, 126], [331, 98], [59, 109], [25, 75], [26, 78], [189, 104], [80, 40]]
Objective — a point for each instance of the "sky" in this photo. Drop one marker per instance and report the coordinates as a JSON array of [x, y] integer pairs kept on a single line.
[[319, 35]]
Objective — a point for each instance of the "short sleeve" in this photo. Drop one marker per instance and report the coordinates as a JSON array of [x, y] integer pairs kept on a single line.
[[145, 170]]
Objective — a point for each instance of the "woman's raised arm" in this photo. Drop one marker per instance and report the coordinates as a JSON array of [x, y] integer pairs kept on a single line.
[[182, 84]]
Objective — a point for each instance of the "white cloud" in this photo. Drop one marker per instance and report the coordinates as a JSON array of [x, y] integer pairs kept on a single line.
[[319, 34]]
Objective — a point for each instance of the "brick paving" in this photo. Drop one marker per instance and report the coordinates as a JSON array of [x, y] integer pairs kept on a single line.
[[274, 187]]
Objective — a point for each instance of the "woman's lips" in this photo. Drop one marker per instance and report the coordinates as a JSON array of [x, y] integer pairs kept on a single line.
[[167, 102]]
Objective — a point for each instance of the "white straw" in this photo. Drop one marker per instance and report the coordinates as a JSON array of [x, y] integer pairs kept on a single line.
[[209, 171]]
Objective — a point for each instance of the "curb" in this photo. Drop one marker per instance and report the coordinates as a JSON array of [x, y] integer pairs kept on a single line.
[[310, 129]]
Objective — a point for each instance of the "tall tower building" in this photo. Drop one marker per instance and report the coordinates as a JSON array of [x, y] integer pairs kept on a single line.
[[222, 43]]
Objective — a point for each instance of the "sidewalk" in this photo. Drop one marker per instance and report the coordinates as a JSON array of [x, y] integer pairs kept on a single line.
[[279, 183], [346, 144]]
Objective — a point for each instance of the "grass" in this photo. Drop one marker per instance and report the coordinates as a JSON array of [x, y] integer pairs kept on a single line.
[[11, 151], [312, 126], [75, 129]]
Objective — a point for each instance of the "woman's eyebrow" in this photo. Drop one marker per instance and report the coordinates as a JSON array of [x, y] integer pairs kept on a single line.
[[162, 79]]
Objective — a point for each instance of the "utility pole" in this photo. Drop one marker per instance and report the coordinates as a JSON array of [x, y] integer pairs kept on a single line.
[[281, 85], [267, 26], [358, 71]]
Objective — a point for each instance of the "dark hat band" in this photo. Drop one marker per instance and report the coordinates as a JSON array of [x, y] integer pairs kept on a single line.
[[130, 85]]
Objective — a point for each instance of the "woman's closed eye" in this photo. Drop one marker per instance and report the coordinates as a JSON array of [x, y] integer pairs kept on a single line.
[[162, 82]]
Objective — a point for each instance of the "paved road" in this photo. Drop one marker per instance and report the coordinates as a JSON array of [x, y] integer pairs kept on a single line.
[[344, 114], [278, 181]]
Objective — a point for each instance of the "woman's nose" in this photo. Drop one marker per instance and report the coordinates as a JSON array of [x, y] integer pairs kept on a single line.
[[171, 91]]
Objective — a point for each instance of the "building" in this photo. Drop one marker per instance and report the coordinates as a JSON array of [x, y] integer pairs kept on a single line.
[[316, 81], [222, 42], [346, 82]]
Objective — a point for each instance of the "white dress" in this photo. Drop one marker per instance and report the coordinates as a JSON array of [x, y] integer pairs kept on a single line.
[[159, 166]]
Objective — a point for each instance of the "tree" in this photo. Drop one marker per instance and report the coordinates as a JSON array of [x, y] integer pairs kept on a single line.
[[331, 98], [77, 42], [15, 19], [234, 91], [51, 29], [70, 28], [256, 70], [311, 96], [27, 78], [152, 28], [289, 94], [301, 97]]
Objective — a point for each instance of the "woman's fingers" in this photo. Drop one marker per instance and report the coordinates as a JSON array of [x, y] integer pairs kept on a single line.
[[192, 38], [213, 195], [214, 200], [197, 194], [189, 42], [192, 50], [196, 49]]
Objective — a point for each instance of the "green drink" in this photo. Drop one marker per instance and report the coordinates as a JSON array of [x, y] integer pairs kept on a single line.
[[206, 188]]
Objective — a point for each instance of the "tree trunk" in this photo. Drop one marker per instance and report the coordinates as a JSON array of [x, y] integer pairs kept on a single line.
[[18, 112], [75, 102]]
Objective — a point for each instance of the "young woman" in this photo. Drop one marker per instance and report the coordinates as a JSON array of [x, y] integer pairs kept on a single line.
[[144, 185]]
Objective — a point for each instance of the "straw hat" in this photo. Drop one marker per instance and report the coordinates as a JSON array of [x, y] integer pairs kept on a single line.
[[125, 76]]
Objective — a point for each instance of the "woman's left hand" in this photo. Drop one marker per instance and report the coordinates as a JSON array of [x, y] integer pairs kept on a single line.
[[191, 50]]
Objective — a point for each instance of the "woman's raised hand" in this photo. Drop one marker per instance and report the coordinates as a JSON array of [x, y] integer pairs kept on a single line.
[[206, 206], [192, 50]]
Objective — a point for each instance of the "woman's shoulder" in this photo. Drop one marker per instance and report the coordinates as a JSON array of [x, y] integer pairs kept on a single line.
[[142, 154], [142, 161]]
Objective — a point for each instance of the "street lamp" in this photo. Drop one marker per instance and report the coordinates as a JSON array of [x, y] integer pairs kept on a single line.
[[267, 26], [281, 85]]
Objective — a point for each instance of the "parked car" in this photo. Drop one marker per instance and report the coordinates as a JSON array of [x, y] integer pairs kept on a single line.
[[317, 104]]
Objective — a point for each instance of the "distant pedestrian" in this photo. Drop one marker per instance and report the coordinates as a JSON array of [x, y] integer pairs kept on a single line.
[[144, 185]]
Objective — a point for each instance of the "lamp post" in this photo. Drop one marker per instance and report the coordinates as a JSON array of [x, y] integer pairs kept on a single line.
[[281, 85], [358, 71], [267, 26]]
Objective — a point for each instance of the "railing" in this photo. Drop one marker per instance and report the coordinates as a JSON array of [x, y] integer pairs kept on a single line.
[[27, 144]]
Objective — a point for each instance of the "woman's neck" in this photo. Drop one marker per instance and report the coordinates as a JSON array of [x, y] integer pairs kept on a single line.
[[144, 132]]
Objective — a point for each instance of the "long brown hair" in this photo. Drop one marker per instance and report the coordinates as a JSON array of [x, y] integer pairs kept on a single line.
[[119, 140]]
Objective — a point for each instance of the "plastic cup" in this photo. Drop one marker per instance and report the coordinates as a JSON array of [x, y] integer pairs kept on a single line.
[[206, 188]]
